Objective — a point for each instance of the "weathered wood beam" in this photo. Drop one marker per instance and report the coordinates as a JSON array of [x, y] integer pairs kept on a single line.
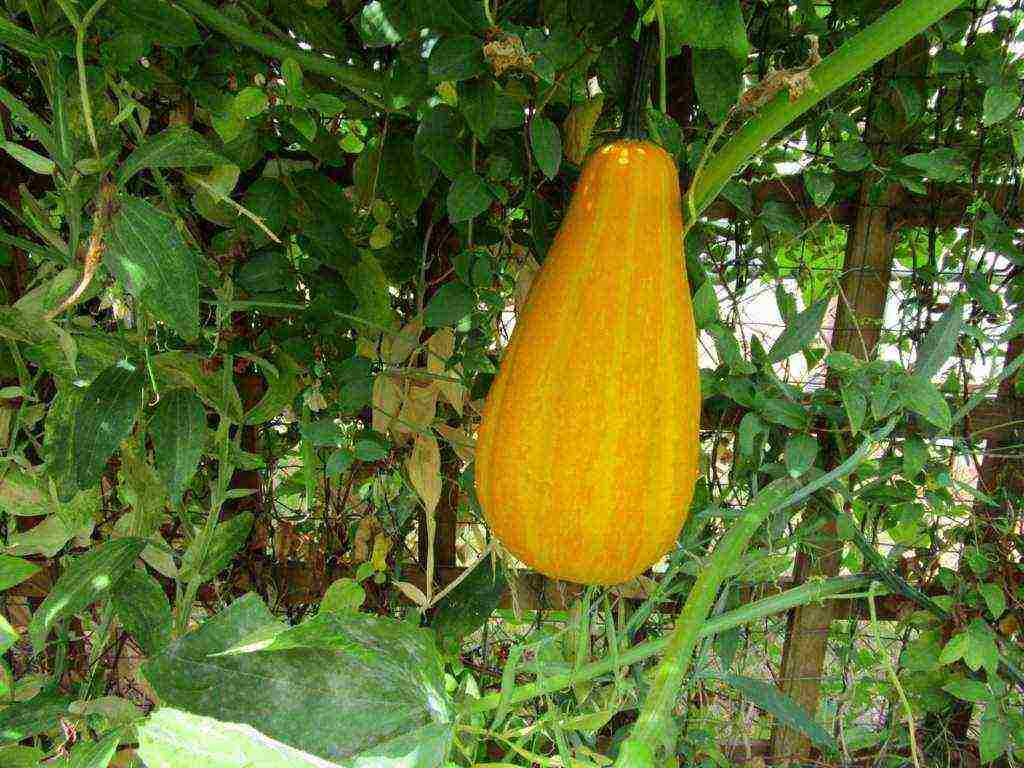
[[993, 416], [945, 205]]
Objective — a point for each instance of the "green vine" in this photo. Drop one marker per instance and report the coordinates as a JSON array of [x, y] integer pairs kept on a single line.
[[866, 49]]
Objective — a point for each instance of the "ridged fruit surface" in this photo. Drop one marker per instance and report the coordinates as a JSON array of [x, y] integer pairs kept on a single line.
[[587, 453]]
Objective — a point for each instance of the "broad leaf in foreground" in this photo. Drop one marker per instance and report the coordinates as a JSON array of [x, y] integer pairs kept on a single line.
[[347, 687], [175, 739]]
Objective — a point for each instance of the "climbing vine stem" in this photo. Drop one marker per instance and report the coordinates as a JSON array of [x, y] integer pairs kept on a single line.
[[870, 46]]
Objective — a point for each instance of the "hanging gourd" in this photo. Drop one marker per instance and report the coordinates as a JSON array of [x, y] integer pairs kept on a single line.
[[587, 454]]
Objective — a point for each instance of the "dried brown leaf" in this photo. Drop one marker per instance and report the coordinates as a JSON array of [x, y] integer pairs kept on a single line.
[[424, 466], [388, 393]]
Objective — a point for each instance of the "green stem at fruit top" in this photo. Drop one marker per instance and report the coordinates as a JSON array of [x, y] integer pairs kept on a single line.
[[866, 49], [634, 122], [363, 82]]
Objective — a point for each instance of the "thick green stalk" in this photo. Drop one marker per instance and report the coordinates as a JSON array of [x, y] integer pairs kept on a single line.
[[351, 77], [653, 722], [869, 47], [634, 114], [809, 592]]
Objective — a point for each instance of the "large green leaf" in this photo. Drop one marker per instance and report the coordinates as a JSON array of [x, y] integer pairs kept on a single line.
[[88, 578], [58, 440], [347, 687], [468, 197], [148, 255], [143, 609], [157, 21], [718, 77], [456, 58], [178, 429], [920, 396], [104, 418], [706, 24], [14, 570], [39, 714], [940, 342], [799, 332], [178, 147], [546, 142], [171, 738]]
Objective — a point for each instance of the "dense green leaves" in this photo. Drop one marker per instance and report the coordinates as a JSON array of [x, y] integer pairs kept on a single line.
[[310, 212]]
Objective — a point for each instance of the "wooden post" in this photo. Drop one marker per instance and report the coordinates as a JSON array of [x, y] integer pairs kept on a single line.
[[864, 289]]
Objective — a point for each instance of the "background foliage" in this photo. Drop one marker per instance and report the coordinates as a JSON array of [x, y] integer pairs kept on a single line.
[[259, 263]]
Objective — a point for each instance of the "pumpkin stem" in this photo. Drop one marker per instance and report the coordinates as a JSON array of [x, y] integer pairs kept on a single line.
[[633, 117]]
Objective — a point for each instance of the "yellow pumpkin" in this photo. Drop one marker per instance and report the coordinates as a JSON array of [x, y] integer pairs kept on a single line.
[[588, 449]]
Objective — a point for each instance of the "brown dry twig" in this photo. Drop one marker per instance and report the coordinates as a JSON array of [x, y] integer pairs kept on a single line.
[[796, 80], [94, 249]]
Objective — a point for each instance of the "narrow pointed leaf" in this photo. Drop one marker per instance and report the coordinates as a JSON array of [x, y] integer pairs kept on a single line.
[[88, 578], [178, 147], [104, 418], [178, 429]]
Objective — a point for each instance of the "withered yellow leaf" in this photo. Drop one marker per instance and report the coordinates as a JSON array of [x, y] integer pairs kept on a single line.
[[424, 466]]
